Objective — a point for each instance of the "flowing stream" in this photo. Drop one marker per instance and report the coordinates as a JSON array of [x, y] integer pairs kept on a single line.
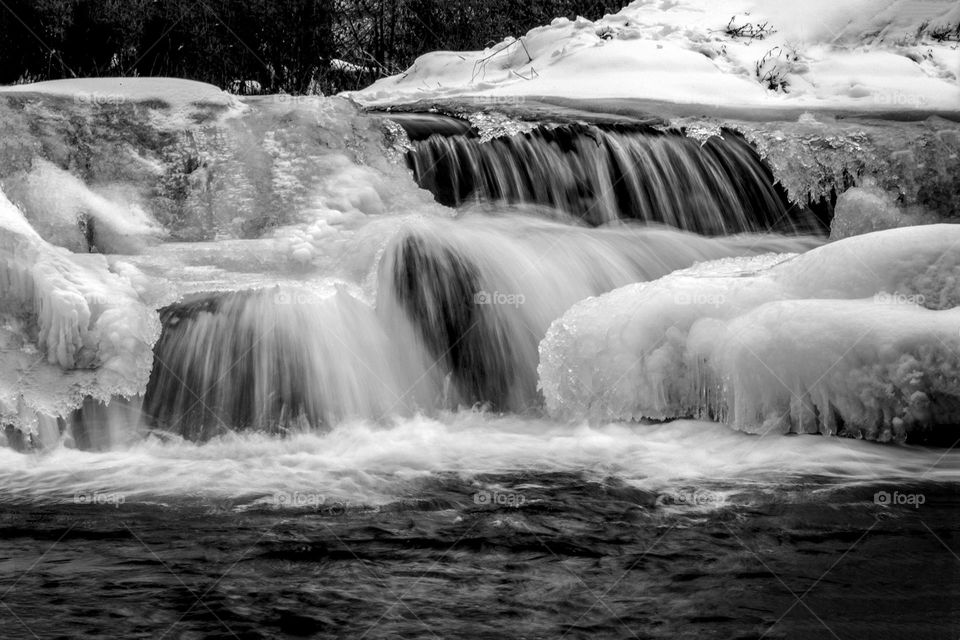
[[304, 400]]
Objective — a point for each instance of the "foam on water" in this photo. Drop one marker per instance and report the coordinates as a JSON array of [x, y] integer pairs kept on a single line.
[[364, 463]]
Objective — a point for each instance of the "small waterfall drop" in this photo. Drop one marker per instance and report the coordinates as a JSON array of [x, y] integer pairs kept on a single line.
[[274, 360], [717, 187], [480, 292]]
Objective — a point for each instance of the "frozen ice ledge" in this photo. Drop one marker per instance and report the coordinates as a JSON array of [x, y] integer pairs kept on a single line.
[[860, 337], [90, 336]]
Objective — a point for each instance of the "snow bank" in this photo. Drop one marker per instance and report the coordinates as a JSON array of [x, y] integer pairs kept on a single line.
[[862, 54], [63, 312], [860, 337]]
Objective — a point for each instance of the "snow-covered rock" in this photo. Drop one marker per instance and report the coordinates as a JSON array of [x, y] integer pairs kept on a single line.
[[175, 93], [860, 336], [896, 55]]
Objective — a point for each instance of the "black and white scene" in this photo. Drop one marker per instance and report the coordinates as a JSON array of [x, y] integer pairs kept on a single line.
[[481, 319]]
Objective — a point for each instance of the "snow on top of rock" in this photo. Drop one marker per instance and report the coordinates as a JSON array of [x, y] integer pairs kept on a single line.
[[862, 54], [173, 100], [173, 91]]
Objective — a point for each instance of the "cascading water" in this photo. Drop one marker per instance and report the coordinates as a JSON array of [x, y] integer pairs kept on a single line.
[[272, 360], [461, 308], [715, 187], [242, 327], [480, 292]]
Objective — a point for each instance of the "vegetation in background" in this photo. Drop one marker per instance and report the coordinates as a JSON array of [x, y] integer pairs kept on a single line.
[[253, 46]]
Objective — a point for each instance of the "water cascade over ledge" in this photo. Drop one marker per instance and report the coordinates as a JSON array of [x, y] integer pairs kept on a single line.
[[717, 186], [279, 270]]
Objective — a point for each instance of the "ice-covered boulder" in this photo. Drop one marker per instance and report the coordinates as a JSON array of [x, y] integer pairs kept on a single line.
[[173, 93], [63, 312], [865, 209], [859, 337]]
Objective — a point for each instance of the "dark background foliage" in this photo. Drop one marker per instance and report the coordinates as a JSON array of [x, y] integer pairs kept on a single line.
[[257, 45]]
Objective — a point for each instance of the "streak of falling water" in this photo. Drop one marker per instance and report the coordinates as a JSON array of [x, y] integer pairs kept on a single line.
[[719, 187]]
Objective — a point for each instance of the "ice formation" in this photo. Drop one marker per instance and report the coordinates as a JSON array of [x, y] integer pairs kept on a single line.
[[71, 328], [819, 157], [69, 214], [860, 337], [864, 209]]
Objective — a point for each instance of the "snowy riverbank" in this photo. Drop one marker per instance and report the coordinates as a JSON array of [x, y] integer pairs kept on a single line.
[[896, 55]]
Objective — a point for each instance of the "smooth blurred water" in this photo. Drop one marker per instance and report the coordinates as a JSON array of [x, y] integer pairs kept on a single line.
[[481, 526]]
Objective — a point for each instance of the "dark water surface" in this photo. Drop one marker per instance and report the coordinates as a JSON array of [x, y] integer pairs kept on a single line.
[[543, 555]]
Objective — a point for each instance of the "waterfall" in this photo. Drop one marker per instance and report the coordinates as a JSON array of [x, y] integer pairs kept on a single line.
[[274, 360], [461, 308], [320, 284], [717, 187], [481, 291]]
